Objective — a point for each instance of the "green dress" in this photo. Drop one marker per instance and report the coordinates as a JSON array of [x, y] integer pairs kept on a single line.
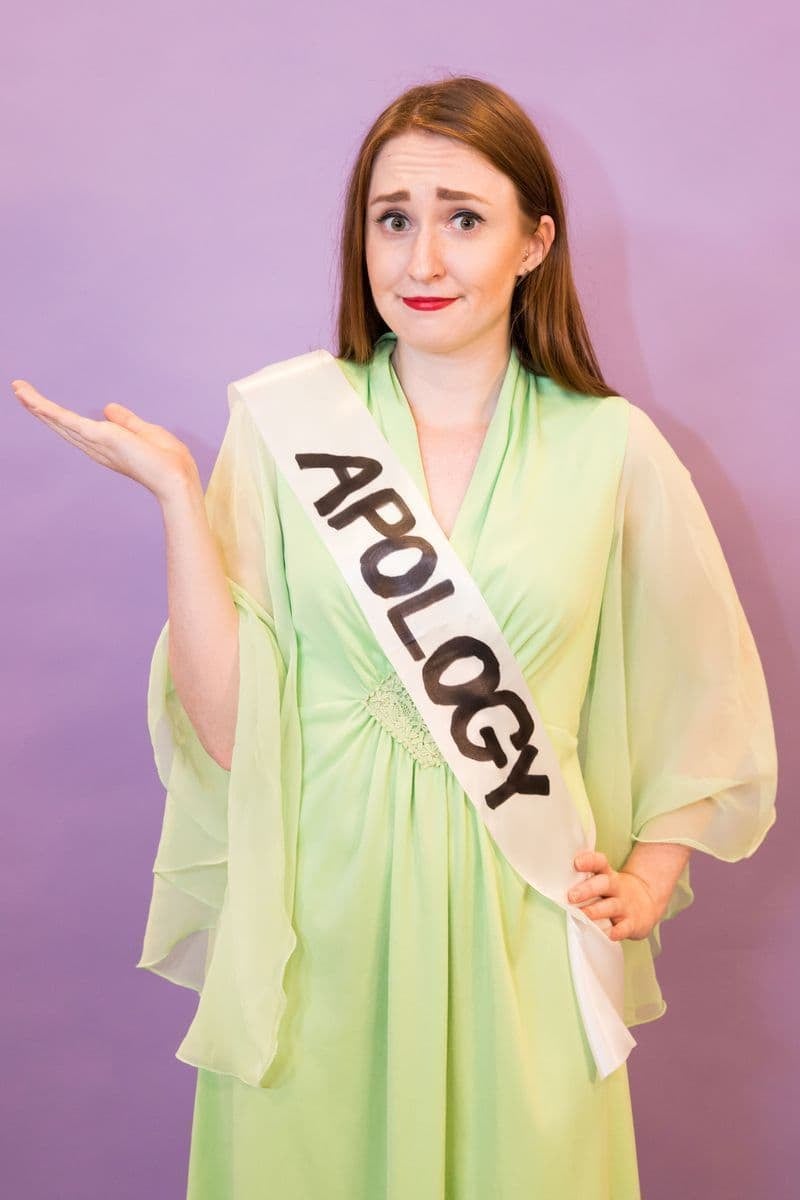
[[386, 1010]]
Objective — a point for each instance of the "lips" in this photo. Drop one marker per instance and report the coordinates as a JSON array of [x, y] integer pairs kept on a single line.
[[428, 303]]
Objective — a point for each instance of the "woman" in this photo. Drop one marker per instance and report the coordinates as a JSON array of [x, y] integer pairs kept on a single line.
[[386, 1006]]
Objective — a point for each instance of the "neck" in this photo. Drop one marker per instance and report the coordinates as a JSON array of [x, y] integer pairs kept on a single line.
[[455, 389]]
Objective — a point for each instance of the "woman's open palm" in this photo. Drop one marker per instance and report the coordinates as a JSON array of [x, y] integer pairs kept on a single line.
[[124, 442]]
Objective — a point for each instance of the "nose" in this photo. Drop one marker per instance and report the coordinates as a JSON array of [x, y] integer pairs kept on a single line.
[[426, 261]]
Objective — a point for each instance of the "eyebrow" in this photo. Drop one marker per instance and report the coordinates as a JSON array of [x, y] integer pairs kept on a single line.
[[441, 194]]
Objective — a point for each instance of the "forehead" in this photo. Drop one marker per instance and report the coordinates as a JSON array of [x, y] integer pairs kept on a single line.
[[420, 162]]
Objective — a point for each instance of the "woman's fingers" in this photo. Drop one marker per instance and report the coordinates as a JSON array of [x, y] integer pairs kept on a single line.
[[74, 434], [123, 441], [591, 860], [55, 414], [597, 896], [88, 435], [32, 398], [608, 906], [598, 885], [84, 432], [121, 415], [617, 901]]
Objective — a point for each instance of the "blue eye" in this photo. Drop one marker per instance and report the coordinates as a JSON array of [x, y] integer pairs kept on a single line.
[[463, 213]]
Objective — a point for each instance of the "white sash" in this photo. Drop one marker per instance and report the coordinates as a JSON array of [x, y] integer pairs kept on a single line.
[[435, 627]]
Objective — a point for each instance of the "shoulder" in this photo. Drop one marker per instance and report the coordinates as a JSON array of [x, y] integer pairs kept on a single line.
[[355, 373], [548, 389], [601, 420], [251, 388], [646, 437], [255, 397], [657, 498], [648, 452], [645, 442]]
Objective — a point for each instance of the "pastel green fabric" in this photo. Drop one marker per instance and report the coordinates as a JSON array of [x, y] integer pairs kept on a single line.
[[385, 1006]]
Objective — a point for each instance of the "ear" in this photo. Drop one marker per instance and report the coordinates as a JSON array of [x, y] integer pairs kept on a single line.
[[537, 245]]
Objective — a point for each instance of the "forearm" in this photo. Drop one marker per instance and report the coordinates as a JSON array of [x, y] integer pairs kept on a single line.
[[203, 636], [659, 865]]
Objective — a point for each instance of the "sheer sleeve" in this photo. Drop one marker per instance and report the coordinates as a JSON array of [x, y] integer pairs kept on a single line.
[[700, 736], [219, 917], [677, 739]]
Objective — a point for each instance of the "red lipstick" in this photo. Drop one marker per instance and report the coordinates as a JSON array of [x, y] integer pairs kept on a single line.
[[428, 303]]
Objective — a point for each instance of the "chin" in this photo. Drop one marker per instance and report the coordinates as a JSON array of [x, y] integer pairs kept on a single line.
[[429, 330], [436, 344]]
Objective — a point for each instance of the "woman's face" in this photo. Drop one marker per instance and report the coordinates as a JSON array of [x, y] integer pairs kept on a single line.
[[423, 244]]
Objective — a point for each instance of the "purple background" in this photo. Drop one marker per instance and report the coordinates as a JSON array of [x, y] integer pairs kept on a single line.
[[172, 178]]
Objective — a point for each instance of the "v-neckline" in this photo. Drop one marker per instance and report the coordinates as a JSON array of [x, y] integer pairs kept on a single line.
[[494, 430]]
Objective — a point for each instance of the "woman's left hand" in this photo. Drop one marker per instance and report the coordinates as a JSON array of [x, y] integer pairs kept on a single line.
[[623, 897]]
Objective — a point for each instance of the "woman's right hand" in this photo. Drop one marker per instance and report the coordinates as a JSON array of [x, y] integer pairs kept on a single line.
[[124, 442]]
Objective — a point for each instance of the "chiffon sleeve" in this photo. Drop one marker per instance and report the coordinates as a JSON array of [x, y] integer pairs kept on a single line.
[[701, 746], [676, 740], [219, 916]]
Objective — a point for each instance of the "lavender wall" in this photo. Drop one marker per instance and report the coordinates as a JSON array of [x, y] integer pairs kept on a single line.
[[171, 177]]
